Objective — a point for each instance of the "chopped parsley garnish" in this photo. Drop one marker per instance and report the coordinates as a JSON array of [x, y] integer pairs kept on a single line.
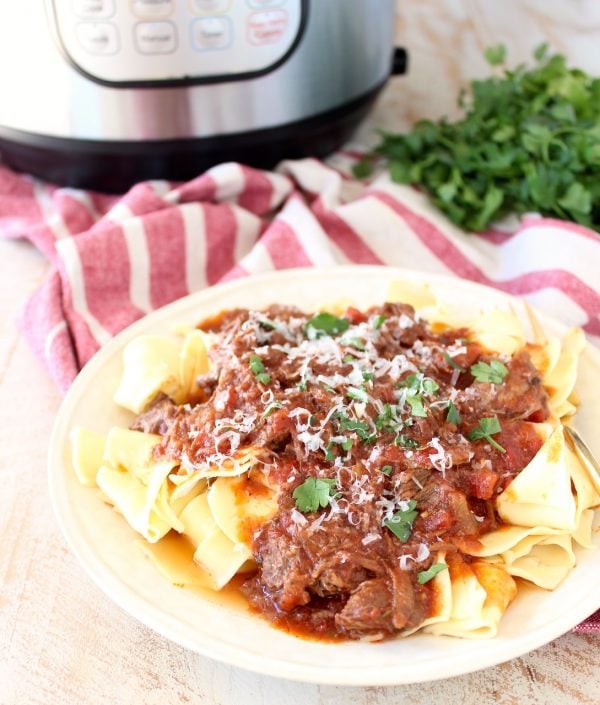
[[378, 322], [353, 342], [329, 454], [257, 367], [386, 469], [405, 441], [426, 575], [346, 444], [361, 428], [419, 384], [430, 386], [402, 522], [368, 376], [494, 373], [356, 393], [352, 424], [271, 408], [348, 358], [266, 323], [325, 324], [385, 418], [453, 415], [416, 405], [313, 493], [486, 429], [453, 365]]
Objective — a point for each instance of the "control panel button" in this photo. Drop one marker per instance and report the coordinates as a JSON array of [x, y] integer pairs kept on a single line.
[[267, 27], [259, 4], [155, 37], [211, 33], [152, 9], [210, 7], [99, 38], [94, 9]]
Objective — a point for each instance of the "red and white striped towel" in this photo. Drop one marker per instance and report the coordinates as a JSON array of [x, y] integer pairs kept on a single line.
[[114, 259]]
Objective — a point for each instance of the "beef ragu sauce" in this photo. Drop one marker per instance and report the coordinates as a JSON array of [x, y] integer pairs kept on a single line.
[[382, 407]]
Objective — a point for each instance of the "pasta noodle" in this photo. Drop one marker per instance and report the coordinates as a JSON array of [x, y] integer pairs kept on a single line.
[[208, 506]]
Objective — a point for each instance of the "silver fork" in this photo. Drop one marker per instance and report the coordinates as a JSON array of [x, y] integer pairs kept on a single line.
[[584, 452]]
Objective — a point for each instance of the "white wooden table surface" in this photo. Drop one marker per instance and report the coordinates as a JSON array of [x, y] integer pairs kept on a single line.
[[61, 640]]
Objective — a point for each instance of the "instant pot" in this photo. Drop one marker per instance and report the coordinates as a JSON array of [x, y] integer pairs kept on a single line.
[[104, 93]]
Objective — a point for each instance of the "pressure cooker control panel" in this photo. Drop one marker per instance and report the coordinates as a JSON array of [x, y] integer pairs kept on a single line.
[[142, 41]]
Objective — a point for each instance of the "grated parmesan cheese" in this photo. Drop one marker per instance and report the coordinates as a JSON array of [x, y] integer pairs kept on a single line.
[[422, 555]]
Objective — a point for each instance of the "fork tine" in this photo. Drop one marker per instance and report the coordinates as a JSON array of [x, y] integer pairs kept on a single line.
[[585, 454]]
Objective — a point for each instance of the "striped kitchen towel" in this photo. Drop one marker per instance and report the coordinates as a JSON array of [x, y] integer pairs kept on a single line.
[[114, 259]]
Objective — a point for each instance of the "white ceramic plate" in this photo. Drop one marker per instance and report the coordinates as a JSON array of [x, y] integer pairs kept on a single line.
[[214, 627]]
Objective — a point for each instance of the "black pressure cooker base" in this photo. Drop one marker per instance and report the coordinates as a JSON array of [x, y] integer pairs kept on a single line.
[[114, 166]]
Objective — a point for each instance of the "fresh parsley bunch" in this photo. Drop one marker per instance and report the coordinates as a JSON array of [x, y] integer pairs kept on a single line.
[[529, 141]]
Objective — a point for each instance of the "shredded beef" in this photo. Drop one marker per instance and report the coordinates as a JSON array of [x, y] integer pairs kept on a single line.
[[345, 408], [159, 417]]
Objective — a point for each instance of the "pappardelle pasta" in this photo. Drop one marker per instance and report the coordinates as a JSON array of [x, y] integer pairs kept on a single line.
[[367, 474]]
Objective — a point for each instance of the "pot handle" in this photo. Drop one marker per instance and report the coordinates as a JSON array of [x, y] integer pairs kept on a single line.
[[399, 61]]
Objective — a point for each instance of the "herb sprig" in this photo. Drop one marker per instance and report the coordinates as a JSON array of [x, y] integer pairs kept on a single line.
[[426, 575], [313, 493], [529, 141], [325, 324], [486, 429], [402, 522], [494, 372]]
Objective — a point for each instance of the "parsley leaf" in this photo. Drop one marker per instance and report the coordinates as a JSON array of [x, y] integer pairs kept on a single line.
[[346, 444], [271, 408], [426, 575], [363, 168], [325, 324], [257, 367], [430, 386], [354, 342], [495, 55], [313, 493], [329, 454], [402, 522], [362, 428], [406, 442], [267, 324], [378, 322], [453, 415], [494, 372], [352, 424], [386, 469], [486, 429], [385, 418], [416, 405], [356, 393], [454, 365], [419, 384]]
